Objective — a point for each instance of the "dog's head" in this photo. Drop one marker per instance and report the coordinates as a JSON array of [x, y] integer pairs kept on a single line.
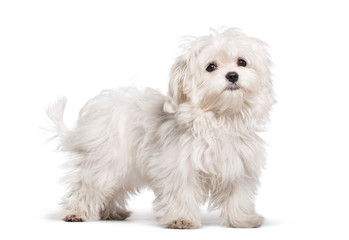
[[226, 73]]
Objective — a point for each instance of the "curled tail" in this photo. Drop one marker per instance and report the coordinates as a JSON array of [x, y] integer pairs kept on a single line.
[[55, 113]]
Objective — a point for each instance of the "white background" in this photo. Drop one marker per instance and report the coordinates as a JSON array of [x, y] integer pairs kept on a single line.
[[77, 48]]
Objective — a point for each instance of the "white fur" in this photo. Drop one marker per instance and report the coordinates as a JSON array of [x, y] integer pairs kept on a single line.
[[195, 145]]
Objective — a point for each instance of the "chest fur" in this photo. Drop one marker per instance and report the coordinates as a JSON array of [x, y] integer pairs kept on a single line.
[[226, 153]]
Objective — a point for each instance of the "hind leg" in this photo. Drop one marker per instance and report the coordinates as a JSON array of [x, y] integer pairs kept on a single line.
[[115, 209], [90, 188], [84, 202]]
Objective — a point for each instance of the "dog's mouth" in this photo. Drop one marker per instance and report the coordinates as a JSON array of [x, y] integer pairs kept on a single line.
[[233, 87]]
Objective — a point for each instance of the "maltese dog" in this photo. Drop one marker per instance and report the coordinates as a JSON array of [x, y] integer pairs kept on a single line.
[[199, 144]]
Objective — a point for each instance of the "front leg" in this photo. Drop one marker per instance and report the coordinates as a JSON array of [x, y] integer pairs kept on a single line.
[[239, 208], [176, 204]]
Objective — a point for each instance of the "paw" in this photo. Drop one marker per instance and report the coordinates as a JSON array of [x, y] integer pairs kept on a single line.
[[73, 218], [253, 221], [181, 224]]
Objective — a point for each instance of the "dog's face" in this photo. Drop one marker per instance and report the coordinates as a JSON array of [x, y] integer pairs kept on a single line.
[[226, 73]]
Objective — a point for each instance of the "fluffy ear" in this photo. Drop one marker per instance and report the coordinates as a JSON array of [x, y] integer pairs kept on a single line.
[[178, 76], [265, 99], [260, 100]]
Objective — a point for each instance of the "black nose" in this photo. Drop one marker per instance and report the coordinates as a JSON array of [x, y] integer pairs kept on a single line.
[[232, 77]]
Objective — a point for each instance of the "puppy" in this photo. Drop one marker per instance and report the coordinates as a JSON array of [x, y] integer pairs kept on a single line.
[[197, 145]]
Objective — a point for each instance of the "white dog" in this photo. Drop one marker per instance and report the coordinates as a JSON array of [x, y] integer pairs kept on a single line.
[[198, 144]]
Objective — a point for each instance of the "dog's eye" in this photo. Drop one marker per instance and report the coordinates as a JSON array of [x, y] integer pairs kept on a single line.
[[211, 67], [242, 62]]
